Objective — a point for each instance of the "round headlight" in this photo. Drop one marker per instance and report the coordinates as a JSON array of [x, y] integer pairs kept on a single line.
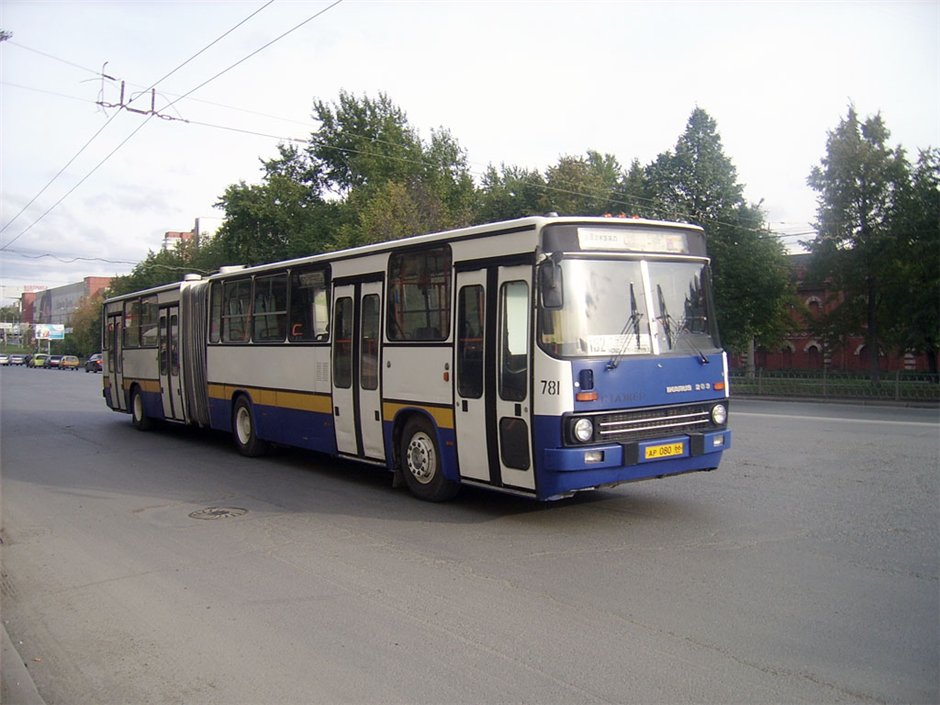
[[719, 414], [583, 430]]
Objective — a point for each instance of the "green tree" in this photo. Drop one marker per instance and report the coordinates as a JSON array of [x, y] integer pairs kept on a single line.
[[698, 183], [913, 276], [85, 322], [860, 183], [586, 185], [509, 192]]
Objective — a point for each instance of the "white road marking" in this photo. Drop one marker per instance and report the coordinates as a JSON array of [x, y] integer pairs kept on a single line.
[[835, 418]]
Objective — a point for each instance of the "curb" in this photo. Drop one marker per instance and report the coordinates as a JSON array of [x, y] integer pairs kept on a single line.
[[16, 684]]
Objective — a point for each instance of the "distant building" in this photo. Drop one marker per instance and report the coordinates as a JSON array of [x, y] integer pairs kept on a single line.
[[801, 350], [172, 238], [58, 304]]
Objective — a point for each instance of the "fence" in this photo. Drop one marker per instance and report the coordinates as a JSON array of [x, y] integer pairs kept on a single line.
[[894, 386]]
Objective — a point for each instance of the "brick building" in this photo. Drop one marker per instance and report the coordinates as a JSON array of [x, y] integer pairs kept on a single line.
[[802, 351]]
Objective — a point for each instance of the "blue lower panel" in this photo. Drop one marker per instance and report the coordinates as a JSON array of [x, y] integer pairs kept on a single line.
[[565, 470], [292, 427]]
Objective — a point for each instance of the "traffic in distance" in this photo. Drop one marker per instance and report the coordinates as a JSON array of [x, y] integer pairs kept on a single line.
[[54, 362], [541, 356]]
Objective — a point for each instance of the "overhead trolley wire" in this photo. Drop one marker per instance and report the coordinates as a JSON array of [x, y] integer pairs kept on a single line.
[[204, 83]]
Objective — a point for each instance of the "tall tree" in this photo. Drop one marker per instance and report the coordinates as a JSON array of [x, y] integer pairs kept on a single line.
[[582, 185], [860, 183], [698, 183], [509, 192], [913, 274]]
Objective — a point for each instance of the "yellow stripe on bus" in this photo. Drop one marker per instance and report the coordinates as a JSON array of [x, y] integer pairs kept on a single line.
[[146, 385], [299, 401], [443, 415]]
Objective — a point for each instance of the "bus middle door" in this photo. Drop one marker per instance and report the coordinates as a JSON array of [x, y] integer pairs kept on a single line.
[[356, 367]]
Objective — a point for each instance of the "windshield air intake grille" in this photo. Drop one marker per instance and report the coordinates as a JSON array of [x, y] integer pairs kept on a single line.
[[652, 423]]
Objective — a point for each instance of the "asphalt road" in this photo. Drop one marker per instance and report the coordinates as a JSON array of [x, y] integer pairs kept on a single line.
[[804, 570]]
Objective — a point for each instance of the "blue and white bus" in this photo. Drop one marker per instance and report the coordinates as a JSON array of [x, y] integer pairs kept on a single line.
[[541, 356]]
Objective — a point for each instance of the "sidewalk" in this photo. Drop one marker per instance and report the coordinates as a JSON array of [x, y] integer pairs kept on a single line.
[[16, 685]]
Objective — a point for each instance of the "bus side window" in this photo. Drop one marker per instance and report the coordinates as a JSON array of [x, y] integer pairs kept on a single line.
[[419, 294], [270, 311], [236, 311], [308, 308]]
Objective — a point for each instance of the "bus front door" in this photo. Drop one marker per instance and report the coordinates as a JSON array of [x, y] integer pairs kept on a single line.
[[356, 367], [170, 381], [492, 359]]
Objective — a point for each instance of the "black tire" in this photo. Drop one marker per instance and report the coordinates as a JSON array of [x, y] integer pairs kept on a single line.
[[139, 417], [420, 463], [243, 430]]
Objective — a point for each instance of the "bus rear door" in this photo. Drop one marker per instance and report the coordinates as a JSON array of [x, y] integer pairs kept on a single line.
[[115, 369], [170, 380]]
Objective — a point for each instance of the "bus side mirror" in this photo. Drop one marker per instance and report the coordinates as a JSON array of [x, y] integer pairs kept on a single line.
[[551, 285]]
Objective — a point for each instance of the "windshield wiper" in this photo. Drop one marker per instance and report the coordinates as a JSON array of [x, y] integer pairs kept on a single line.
[[675, 328], [633, 321]]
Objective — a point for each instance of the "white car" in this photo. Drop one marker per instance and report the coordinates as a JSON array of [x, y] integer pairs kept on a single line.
[[4, 359]]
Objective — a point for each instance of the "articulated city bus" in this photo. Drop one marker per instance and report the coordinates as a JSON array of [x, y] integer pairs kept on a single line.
[[541, 356]]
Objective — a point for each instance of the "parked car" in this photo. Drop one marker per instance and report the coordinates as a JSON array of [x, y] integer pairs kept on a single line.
[[4, 359], [18, 359], [69, 362], [38, 360], [93, 363]]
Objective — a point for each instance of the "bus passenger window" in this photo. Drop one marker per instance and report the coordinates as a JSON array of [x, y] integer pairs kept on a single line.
[[236, 311], [419, 295], [149, 321], [270, 309], [309, 310]]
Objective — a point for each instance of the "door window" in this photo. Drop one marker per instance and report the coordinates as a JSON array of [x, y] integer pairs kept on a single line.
[[369, 354], [514, 341], [470, 342], [342, 342]]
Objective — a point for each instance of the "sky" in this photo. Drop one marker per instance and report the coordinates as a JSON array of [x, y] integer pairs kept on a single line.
[[87, 190]]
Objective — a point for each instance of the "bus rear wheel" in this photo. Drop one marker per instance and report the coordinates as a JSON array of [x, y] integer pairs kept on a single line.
[[243, 430], [139, 417], [421, 463]]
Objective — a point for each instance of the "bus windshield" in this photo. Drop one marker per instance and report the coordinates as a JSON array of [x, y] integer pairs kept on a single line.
[[618, 307]]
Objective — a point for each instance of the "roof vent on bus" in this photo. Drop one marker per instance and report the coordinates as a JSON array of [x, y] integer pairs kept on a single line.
[[192, 277], [231, 268]]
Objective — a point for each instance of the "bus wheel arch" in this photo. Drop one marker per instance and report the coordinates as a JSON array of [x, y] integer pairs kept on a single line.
[[244, 428], [419, 459], [139, 417]]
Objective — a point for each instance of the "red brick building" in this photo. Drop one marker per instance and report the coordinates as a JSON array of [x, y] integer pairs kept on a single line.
[[802, 351]]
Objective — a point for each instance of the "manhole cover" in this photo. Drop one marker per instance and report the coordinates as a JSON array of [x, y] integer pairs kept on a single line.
[[218, 513]]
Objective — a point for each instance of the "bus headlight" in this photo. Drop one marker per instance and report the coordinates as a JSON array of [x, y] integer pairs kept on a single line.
[[583, 430], [719, 414]]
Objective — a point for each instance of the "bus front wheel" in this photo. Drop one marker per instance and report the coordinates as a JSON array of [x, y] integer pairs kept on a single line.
[[243, 430], [139, 417], [421, 463]]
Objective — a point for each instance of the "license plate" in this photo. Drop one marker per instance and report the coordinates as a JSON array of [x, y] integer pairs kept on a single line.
[[666, 450]]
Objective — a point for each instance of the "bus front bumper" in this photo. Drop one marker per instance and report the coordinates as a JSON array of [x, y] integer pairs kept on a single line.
[[652, 457]]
